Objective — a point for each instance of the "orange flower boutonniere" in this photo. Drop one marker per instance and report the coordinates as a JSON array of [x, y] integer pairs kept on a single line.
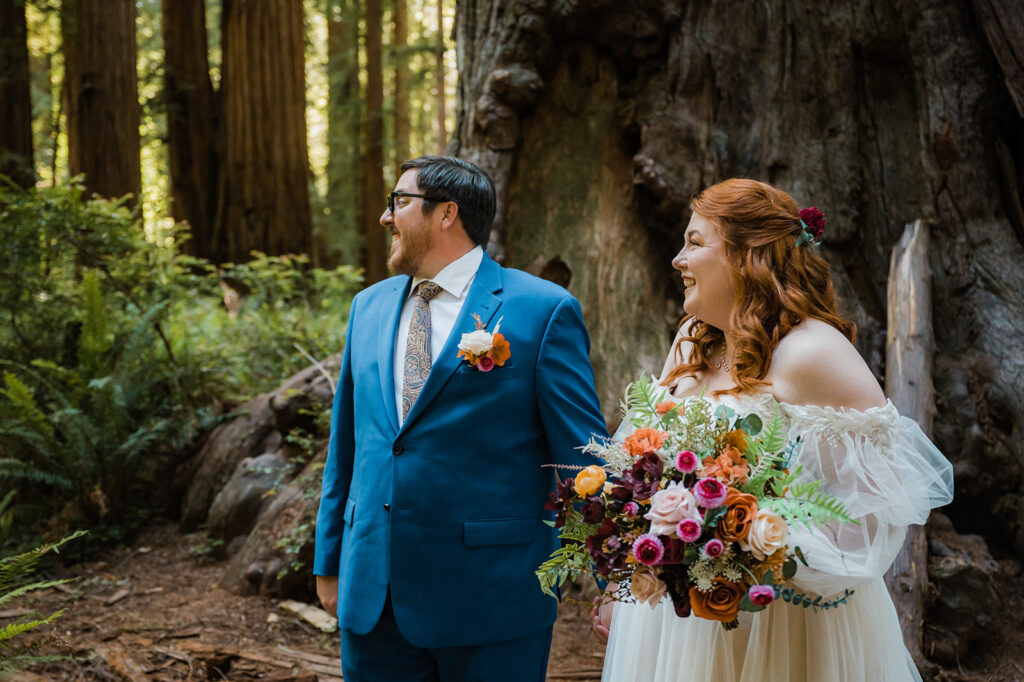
[[483, 349]]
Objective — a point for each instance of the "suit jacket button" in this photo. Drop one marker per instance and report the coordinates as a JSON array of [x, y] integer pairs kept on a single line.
[[387, 507], [396, 449]]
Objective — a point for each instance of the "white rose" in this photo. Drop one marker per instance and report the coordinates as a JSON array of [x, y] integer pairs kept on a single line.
[[646, 587], [767, 534], [669, 506], [477, 342]]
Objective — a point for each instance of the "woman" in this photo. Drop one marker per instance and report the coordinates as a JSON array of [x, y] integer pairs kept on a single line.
[[762, 333]]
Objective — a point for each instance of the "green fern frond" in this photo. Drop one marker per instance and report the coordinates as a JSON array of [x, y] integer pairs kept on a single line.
[[15, 629], [95, 338], [809, 508], [14, 469], [24, 403]]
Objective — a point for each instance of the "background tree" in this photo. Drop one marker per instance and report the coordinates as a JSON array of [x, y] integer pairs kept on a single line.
[[399, 51], [599, 121], [191, 121], [374, 238], [101, 91], [15, 100], [264, 200]]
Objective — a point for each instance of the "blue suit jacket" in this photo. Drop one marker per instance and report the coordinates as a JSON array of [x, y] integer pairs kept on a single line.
[[448, 509]]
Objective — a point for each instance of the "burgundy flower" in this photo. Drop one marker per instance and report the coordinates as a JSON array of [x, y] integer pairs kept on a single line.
[[648, 549], [675, 549], [644, 478], [593, 509], [631, 509], [621, 493], [814, 220]]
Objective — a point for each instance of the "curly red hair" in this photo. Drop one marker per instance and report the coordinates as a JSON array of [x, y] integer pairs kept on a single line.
[[778, 285]]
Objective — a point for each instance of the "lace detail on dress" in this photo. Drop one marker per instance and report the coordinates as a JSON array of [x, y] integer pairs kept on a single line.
[[878, 425]]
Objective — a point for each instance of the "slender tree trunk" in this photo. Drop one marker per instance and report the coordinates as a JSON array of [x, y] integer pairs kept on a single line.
[[401, 83], [344, 132], [191, 122], [373, 168], [264, 197], [442, 115], [15, 100], [101, 86]]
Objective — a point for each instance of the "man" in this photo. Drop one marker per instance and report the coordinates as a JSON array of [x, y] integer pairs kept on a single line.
[[430, 523]]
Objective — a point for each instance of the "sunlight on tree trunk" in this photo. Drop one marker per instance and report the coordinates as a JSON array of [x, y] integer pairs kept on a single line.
[[442, 132], [15, 100]]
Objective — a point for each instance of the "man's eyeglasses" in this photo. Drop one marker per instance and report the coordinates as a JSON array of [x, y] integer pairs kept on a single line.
[[392, 195]]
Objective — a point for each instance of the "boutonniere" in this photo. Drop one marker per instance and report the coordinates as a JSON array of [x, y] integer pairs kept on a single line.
[[483, 349]]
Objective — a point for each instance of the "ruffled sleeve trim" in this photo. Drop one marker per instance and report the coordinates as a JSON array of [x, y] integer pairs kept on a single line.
[[878, 425]]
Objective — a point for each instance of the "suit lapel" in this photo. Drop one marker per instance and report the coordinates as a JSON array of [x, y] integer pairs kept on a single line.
[[481, 300], [391, 312]]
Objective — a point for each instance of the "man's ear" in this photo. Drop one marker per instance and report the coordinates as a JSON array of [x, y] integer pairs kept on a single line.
[[449, 214]]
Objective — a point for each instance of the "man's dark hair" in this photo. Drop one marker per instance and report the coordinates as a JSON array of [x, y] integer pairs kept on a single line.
[[459, 181]]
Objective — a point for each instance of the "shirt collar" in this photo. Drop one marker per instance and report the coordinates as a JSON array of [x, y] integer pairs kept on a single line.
[[456, 276]]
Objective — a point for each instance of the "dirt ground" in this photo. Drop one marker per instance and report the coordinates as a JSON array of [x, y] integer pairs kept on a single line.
[[155, 612]]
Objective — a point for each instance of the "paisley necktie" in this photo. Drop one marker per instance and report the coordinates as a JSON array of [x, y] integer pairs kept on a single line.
[[417, 349]]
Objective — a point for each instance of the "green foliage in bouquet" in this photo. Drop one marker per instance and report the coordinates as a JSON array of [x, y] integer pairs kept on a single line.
[[571, 559], [16, 581]]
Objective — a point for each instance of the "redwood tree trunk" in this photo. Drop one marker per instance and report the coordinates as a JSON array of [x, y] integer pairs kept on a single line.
[[191, 122], [101, 87], [374, 263], [15, 100], [599, 121], [344, 132], [401, 83], [264, 197]]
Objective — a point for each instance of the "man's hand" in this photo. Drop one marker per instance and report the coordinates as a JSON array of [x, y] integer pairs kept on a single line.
[[327, 592]]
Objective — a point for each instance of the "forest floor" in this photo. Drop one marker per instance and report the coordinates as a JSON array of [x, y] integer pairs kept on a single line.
[[154, 611]]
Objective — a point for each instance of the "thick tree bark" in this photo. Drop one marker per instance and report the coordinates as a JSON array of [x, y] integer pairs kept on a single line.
[[879, 112], [908, 383], [442, 115], [374, 263], [101, 87], [344, 131], [264, 194], [401, 61], [15, 99], [191, 122]]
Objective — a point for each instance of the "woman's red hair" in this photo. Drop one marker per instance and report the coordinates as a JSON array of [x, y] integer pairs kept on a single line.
[[778, 285]]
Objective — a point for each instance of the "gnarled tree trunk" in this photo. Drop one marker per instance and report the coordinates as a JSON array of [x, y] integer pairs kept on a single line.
[[600, 120]]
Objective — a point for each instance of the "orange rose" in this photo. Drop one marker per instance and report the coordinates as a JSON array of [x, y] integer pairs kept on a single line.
[[500, 351], [643, 441], [590, 480], [735, 525], [729, 466], [664, 407], [737, 439], [721, 603]]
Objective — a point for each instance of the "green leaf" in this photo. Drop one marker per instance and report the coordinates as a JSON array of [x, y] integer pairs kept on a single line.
[[751, 424], [800, 555], [768, 578], [748, 606], [788, 568]]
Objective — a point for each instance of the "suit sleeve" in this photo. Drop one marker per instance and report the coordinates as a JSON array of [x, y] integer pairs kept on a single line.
[[338, 467], [569, 406]]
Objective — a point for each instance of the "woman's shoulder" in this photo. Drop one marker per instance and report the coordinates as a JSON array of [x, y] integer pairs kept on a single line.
[[815, 364]]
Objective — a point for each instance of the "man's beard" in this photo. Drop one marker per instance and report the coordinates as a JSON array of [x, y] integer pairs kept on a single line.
[[416, 244]]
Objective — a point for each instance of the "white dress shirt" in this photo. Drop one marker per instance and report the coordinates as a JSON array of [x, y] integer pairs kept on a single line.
[[454, 280]]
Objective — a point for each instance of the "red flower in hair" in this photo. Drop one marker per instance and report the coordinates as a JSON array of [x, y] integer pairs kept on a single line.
[[814, 220]]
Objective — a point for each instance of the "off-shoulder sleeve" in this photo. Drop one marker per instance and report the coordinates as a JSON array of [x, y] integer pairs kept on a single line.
[[887, 473]]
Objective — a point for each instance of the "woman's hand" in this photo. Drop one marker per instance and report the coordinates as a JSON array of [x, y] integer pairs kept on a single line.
[[601, 614]]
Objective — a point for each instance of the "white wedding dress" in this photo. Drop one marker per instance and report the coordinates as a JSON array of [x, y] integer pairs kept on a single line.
[[889, 475]]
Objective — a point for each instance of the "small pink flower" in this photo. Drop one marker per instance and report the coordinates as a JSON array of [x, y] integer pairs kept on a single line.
[[713, 548], [710, 493], [485, 364], [631, 509], [688, 530], [762, 595], [648, 549], [686, 461]]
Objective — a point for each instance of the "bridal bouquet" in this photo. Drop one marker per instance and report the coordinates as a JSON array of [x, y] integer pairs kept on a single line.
[[697, 504]]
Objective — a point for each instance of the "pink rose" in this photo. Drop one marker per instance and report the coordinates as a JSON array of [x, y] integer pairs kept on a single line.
[[485, 364], [688, 530], [646, 587], [686, 461], [710, 493], [669, 506], [762, 595], [767, 534]]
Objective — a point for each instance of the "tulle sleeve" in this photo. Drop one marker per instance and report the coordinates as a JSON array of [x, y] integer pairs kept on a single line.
[[886, 472]]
